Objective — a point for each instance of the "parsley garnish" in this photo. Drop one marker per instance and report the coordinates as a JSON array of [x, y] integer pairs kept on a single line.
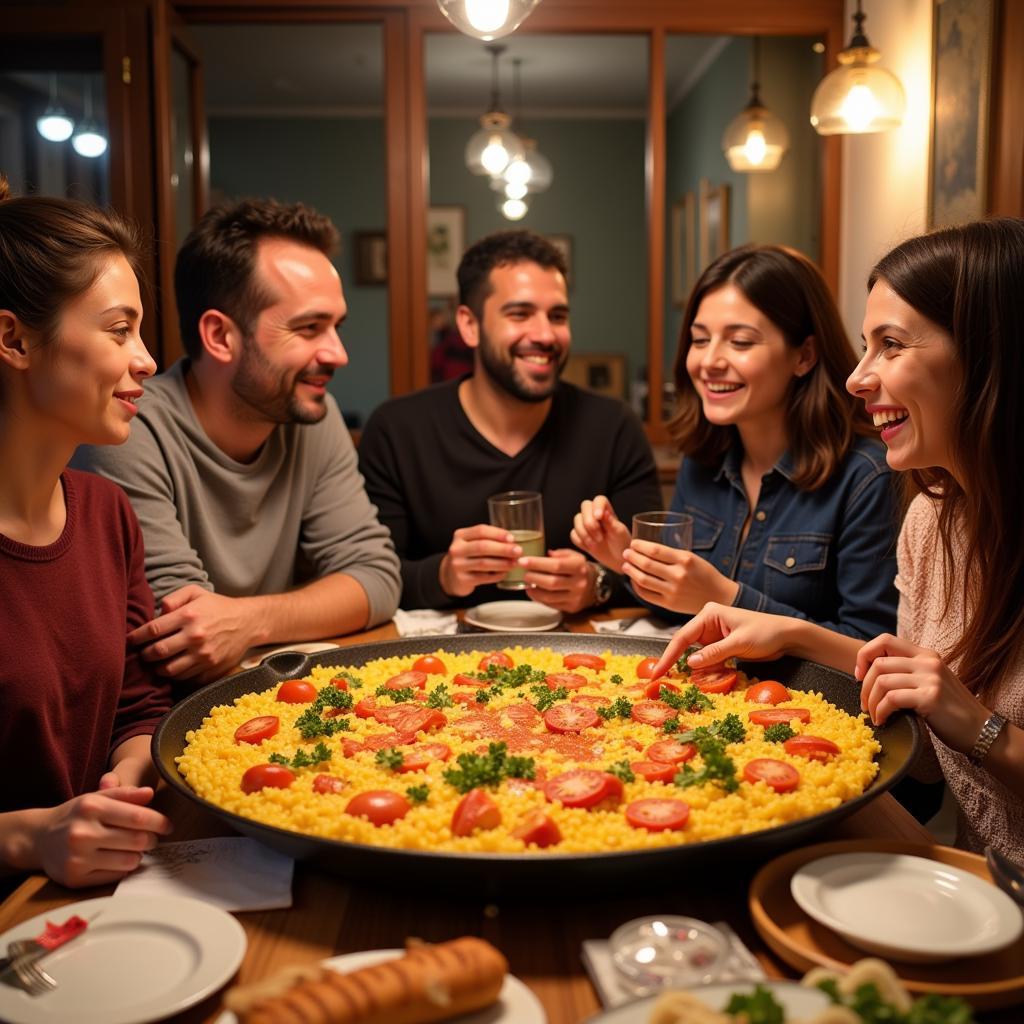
[[546, 697], [779, 732], [718, 767], [349, 678], [621, 708], [683, 663], [488, 769], [729, 730], [621, 770], [310, 723], [759, 1007], [692, 699], [391, 758], [398, 696], [418, 794], [439, 697], [872, 1009], [317, 755], [483, 696], [616, 679], [671, 725]]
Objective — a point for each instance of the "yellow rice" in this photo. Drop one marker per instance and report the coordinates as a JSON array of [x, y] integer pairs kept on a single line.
[[213, 764]]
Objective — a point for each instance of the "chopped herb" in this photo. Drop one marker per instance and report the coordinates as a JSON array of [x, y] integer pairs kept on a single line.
[[546, 697], [718, 767], [310, 723], [683, 663], [439, 697], [729, 730], [521, 675], [317, 755], [332, 696], [871, 1008], [488, 769], [830, 986], [759, 1007], [779, 732], [670, 726], [616, 679], [620, 708], [621, 770], [483, 696], [391, 758], [418, 794], [692, 699], [398, 696]]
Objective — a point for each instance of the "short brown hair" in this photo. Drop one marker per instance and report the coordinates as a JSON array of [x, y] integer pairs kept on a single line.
[[823, 419], [53, 249], [216, 267]]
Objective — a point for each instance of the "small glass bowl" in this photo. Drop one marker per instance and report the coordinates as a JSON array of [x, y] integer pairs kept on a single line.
[[652, 953]]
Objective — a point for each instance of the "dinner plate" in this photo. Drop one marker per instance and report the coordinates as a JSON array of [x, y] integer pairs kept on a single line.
[[257, 654], [513, 617], [797, 1000], [139, 960], [516, 1003], [906, 908]]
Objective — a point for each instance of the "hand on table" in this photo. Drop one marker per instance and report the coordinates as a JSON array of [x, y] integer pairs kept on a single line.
[[563, 580], [597, 530], [476, 556], [678, 580]]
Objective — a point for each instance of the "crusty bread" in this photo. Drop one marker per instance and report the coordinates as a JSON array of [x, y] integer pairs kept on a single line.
[[428, 984]]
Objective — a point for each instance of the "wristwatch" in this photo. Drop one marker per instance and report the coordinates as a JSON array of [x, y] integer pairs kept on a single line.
[[602, 584], [989, 731]]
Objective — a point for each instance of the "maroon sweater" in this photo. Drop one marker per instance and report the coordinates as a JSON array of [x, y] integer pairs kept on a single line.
[[70, 689]]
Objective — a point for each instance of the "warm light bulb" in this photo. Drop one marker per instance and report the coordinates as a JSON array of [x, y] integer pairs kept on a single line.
[[55, 126], [859, 108], [514, 209], [518, 172], [487, 15], [495, 156], [755, 147], [89, 143], [514, 191]]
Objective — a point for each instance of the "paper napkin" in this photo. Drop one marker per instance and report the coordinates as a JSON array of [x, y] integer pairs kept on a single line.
[[644, 626], [425, 622]]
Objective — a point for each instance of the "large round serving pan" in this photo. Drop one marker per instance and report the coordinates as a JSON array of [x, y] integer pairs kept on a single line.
[[899, 738]]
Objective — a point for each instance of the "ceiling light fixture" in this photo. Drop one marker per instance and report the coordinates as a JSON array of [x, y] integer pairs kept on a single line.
[[532, 171], [55, 125], [755, 140], [487, 19], [513, 209], [857, 97], [491, 148], [88, 140]]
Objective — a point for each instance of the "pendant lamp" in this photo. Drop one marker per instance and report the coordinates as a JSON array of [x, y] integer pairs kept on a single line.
[[88, 140], [491, 148], [486, 19], [54, 125], [755, 140], [531, 172]]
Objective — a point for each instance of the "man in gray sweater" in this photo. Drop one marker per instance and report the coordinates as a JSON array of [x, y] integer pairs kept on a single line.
[[256, 522]]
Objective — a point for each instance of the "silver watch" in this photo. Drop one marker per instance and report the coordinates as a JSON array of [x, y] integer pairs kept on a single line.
[[602, 584], [989, 732]]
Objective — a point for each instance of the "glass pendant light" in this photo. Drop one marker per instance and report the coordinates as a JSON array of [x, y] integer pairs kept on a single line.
[[513, 209], [857, 97], [486, 19], [532, 171], [491, 148], [755, 139], [88, 140], [55, 125]]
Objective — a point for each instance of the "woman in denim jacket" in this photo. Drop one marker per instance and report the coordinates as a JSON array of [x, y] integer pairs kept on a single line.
[[793, 507]]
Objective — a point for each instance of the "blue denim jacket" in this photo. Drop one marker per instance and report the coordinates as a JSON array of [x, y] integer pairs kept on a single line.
[[827, 555]]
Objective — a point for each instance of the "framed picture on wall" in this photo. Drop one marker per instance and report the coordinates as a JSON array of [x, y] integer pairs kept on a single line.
[[714, 221], [446, 240], [371, 257], [961, 61], [563, 243], [601, 372], [683, 257]]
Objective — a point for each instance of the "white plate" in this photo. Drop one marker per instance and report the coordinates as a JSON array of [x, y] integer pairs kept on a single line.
[[514, 617], [257, 654], [798, 1001], [516, 1003], [139, 960], [906, 908]]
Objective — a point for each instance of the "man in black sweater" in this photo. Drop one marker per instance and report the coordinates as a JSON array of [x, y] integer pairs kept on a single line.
[[431, 459]]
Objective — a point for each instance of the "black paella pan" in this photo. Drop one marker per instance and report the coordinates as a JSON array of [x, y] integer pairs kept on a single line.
[[899, 738]]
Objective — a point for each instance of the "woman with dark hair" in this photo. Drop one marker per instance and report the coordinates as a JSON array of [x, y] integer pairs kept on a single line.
[[942, 377], [77, 707], [792, 503]]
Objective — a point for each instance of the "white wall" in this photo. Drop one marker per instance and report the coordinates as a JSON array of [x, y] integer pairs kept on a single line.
[[885, 183]]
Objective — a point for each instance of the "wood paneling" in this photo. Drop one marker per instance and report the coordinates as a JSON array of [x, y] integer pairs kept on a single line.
[[1006, 166]]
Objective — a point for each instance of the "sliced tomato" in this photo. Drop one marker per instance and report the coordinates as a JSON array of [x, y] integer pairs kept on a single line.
[[653, 690], [340, 682], [380, 806], [654, 771], [414, 719], [714, 680], [537, 829], [570, 680], [351, 747], [658, 815], [523, 714], [463, 680], [671, 751], [429, 664], [256, 730], [407, 681], [422, 755], [583, 661], [768, 692], [476, 810], [581, 787], [814, 748], [772, 716], [591, 700], [334, 712], [782, 777], [383, 740], [366, 708], [645, 670], [328, 784], [267, 776], [464, 698], [391, 715], [652, 712], [564, 718], [499, 659], [296, 691]]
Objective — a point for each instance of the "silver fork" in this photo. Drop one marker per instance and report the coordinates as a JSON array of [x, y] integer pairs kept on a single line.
[[32, 978]]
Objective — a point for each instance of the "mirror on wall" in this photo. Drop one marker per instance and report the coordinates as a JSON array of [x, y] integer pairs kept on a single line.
[[582, 99], [709, 206]]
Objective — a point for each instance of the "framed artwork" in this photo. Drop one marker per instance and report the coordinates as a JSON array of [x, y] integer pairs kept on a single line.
[[961, 63], [601, 372], [563, 243], [446, 241], [714, 221], [371, 257], [683, 240]]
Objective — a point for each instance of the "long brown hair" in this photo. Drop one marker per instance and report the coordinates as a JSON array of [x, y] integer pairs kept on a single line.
[[823, 420], [969, 281]]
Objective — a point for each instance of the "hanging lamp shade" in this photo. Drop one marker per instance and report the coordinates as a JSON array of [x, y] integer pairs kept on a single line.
[[486, 19], [494, 146], [858, 97], [755, 139], [54, 125], [89, 140], [532, 170]]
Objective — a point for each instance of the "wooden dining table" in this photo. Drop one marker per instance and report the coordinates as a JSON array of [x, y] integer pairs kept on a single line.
[[541, 933]]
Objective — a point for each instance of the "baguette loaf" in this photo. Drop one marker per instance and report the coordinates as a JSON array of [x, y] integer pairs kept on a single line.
[[428, 984]]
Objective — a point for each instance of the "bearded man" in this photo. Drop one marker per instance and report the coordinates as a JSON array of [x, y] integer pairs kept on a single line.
[[431, 459], [256, 523]]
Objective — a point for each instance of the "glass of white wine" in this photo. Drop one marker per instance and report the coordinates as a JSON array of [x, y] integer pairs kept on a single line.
[[522, 514], [673, 529]]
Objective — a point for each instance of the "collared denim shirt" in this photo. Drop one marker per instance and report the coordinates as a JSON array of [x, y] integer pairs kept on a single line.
[[827, 555]]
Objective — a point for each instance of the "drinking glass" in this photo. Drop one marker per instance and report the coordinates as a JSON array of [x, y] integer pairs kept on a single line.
[[673, 529], [522, 514]]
